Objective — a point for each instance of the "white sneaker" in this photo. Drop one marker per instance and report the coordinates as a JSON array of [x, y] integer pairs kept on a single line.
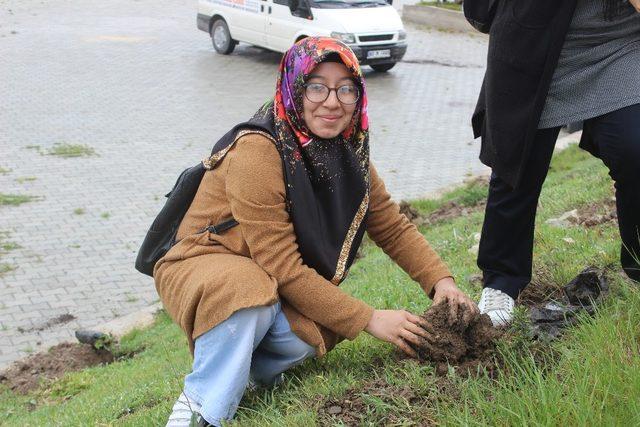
[[182, 411], [497, 305]]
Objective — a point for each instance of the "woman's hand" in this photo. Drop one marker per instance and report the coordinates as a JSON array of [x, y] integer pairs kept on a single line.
[[398, 327], [446, 290], [636, 4]]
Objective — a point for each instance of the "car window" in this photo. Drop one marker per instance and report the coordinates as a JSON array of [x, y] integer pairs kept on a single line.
[[283, 2]]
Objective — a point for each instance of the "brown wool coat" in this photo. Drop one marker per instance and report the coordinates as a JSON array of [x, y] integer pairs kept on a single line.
[[206, 277]]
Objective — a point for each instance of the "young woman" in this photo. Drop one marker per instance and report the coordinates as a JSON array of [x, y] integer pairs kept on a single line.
[[263, 296]]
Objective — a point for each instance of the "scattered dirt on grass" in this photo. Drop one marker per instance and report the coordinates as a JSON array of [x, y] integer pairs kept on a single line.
[[367, 399], [597, 213], [58, 320], [541, 289], [466, 342], [448, 210], [25, 375]]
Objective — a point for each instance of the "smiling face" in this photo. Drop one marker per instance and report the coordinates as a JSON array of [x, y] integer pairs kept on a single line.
[[329, 118]]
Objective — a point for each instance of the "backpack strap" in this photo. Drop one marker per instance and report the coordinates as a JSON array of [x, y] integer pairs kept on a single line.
[[211, 161]]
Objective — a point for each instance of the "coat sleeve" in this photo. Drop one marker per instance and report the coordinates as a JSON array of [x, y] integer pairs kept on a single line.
[[256, 193], [480, 13], [400, 239]]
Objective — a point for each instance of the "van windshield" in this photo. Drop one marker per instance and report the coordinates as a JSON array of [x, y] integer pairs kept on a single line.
[[342, 4]]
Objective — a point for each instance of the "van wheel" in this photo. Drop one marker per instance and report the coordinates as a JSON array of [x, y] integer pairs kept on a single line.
[[221, 38], [381, 68]]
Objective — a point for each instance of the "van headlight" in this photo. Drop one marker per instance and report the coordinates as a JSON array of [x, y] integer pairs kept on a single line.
[[402, 35], [348, 38]]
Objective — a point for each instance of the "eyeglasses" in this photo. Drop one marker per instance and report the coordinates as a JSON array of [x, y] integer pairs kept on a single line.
[[318, 92]]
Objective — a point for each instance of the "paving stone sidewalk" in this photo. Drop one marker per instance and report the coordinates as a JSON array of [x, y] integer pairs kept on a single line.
[[137, 83]]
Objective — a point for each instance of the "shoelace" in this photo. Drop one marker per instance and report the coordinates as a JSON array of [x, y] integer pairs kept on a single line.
[[498, 301]]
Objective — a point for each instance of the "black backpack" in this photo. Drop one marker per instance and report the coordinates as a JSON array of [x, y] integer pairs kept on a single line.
[[162, 234]]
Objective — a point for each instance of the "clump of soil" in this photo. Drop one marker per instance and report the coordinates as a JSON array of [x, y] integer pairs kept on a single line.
[[468, 341], [597, 213], [25, 375]]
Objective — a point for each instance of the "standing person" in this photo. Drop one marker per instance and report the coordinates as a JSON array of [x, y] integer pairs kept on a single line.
[[262, 296], [552, 62]]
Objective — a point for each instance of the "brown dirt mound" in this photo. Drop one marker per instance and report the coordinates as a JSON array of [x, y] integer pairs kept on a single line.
[[466, 342], [25, 375], [597, 213]]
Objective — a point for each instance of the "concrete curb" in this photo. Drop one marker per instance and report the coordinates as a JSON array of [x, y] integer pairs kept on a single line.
[[438, 18], [121, 326]]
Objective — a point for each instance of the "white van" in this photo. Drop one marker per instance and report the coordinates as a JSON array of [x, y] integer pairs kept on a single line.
[[372, 28]]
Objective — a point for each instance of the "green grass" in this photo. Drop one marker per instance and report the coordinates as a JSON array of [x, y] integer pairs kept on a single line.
[[4, 171], [79, 211], [66, 150], [450, 6], [15, 199], [590, 377]]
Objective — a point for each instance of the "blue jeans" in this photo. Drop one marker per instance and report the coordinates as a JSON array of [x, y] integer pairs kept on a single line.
[[254, 343]]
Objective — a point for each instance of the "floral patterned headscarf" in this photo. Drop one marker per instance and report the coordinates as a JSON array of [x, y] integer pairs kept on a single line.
[[296, 65]]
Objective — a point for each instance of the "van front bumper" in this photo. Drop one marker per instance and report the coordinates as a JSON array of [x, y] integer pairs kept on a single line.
[[397, 52]]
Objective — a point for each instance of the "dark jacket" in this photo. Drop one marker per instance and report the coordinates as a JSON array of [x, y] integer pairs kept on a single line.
[[526, 37]]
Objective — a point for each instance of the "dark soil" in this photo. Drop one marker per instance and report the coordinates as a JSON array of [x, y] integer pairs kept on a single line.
[[541, 290], [466, 342], [358, 402], [597, 213], [58, 320], [26, 375]]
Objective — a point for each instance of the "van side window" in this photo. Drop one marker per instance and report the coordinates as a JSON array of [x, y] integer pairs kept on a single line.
[[283, 2]]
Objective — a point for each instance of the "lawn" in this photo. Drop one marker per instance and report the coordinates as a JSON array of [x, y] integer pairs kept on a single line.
[[589, 377]]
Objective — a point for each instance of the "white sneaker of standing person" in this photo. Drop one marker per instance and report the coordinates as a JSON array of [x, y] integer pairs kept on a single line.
[[497, 305]]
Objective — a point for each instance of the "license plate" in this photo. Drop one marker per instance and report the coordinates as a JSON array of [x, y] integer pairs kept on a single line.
[[374, 54]]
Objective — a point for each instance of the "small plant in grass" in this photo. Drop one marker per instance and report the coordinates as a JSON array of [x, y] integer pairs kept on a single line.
[[15, 199], [78, 211], [105, 215], [66, 150], [105, 342], [69, 386]]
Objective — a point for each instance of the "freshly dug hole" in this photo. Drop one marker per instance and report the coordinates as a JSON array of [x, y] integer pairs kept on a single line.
[[467, 342]]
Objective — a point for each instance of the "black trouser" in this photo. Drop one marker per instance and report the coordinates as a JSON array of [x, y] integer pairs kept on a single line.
[[506, 245]]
